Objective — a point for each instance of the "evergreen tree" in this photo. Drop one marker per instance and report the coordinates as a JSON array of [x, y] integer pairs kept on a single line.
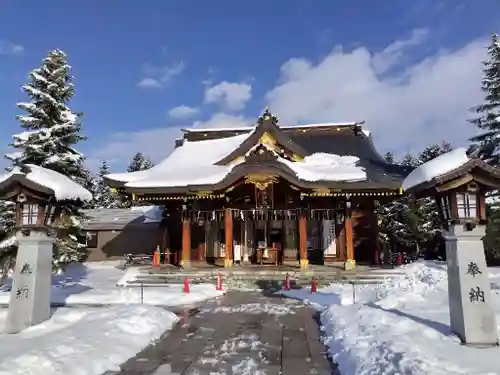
[[139, 163], [104, 197], [7, 239], [486, 144], [51, 130]]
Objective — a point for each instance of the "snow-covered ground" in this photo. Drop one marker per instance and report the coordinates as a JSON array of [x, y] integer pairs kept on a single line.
[[96, 283], [89, 340], [400, 327]]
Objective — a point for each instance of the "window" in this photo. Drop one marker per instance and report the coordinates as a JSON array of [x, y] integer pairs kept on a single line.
[[91, 240], [445, 207], [30, 214], [466, 205]]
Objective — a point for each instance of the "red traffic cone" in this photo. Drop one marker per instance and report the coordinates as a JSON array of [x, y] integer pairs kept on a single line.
[[286, 283], [219, 282], [186, 285], [314, 286], [156, 258], [400, 259]]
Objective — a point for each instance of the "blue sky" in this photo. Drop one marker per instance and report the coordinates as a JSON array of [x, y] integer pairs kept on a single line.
[[410, 69]]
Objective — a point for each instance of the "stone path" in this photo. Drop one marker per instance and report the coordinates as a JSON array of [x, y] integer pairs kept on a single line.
[[241, 333]]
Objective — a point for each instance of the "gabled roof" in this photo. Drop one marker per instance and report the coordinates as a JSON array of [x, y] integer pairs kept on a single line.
[[340, 156], [448, 167], [267, 124]]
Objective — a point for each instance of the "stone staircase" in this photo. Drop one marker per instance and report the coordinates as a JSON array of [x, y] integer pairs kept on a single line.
[[260, 278]]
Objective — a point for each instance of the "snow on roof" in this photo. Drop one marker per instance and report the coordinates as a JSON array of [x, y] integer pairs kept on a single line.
[[190, 164], [63, 187], [327, 167], [436, 167], [326, 124], [193, 164]]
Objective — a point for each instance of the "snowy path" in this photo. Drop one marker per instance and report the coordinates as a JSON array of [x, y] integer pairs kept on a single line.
[[241, 334]]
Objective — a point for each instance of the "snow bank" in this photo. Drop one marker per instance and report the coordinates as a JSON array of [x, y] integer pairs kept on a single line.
[[404, 329], [83, 341], [436, 167], [63, 187]]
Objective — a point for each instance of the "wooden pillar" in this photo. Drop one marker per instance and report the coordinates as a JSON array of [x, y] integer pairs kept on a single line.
[[186, 243], [349, 240], [166, 244], [245, 242], [228, 232], [304, 262]]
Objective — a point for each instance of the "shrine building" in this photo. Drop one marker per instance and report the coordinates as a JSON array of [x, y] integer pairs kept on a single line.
[[268, 194]]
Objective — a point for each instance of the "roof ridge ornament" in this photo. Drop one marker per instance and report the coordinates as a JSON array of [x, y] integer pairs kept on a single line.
[[268, 116]]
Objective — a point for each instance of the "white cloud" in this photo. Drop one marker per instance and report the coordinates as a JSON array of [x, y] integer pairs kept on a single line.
[[182, 112], [119, 149], [9, 48], [393, 53], [230, 95], [158, 77], [425, 102]]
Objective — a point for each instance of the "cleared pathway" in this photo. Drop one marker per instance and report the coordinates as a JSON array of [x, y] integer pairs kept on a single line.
[[241, 333]]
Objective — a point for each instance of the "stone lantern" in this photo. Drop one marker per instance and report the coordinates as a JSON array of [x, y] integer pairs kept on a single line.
[[459, 184], [37, 193]]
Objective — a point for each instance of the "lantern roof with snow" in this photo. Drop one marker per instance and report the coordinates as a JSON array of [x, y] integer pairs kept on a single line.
[[41, 183], [451, 171]]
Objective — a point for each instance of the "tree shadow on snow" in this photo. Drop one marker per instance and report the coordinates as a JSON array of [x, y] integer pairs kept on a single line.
[[440, 327], [68, 283]]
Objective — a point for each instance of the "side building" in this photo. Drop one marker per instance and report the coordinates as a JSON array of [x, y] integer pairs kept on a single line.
[[269, 194]]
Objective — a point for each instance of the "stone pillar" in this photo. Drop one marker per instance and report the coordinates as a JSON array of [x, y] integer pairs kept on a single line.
[[349, 241], [304, 262], [186, 243], [30, 296], [228, 232], [472, 317]]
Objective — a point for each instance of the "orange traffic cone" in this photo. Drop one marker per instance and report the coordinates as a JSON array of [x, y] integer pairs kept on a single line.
[[186, 285], [286, 283], [219, 282], [314, 286], [156, 257]]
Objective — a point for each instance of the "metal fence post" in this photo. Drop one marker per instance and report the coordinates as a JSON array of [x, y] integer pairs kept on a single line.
[[353, 293], [142, 293]]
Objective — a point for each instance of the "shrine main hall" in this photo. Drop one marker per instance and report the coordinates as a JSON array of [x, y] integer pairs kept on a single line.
[[268, 194]]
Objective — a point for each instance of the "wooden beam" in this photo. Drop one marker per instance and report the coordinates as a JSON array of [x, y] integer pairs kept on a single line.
[[228, 232], [186, 243], [349, 240], [304, 262]]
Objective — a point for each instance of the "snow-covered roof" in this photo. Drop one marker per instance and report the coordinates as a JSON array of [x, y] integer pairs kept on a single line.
[[118, 218], [436, 167], [193, 163], [61, 186]]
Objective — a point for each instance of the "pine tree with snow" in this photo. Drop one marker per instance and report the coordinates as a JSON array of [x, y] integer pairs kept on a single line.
[[486, 144], [139, 163], [8, 246], [104, 196], [50, 132]]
